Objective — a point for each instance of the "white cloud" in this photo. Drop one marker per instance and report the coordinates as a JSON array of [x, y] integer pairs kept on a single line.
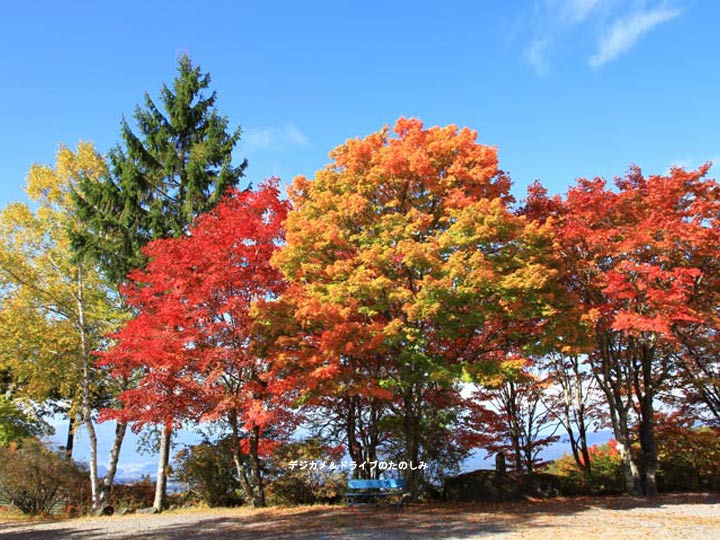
[[536, 55], [625, 32], [552, 19], [612, 26], [273, 138], [577, 10]]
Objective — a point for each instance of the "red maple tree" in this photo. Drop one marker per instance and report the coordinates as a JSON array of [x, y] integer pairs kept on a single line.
[[193, 340], [642, 263]]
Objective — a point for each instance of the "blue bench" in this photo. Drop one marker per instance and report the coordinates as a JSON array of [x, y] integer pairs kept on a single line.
[[368, 491]]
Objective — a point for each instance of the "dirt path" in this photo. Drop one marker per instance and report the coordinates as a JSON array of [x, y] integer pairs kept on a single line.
[[695, 517]]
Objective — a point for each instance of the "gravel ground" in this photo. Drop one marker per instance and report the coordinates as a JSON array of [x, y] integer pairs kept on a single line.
[[667, 517]]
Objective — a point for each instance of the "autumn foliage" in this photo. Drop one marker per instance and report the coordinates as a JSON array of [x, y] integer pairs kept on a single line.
[[642, 264], [192, 338], [401, 273], [406, 269]]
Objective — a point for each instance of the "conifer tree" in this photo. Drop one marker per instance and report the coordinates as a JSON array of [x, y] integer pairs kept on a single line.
[[176, 165]]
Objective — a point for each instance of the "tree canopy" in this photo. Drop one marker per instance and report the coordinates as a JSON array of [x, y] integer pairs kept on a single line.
[[178, 165]]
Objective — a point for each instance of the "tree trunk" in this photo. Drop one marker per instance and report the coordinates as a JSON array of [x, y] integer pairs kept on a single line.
[[94, 480], [259, 492], [70, 441], [354, 447], [508, 399], [630, 469], [648, 447], [162, 471], [374, 429], [632, 475], [120, 429], [621, 431], [412, 449], [613, 377], [579, 411], [237, 458], [413, 459], [86, 405], [587, 470], [645, 388]]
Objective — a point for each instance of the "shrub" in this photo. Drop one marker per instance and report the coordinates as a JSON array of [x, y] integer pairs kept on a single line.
[[606, 472], [38, 480], [208, 471], [686, 453], [293, 484], [134, 495]]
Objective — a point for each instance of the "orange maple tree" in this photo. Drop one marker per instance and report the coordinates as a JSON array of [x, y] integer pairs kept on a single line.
[[406, 270]]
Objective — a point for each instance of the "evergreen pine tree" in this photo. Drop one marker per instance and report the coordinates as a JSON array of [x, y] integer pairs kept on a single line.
[[177, 165]]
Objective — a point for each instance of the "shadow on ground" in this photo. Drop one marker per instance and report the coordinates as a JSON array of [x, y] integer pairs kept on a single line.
[[433, 521]]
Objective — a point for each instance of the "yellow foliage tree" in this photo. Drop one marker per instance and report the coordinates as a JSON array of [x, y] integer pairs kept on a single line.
[[55, 308]]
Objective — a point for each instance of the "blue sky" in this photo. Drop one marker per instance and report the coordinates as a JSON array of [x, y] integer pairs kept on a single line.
[[563, 88]]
